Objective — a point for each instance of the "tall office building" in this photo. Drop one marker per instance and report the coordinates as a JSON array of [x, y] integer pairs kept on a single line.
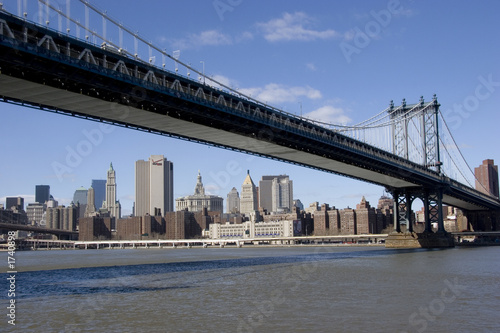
[[99, 186], [233, 201], [154, 186], [276, 193], [80, 200], [42, 193], [90, 210], [487, 178], [248, 200], [80, 196], [110, 203], [14, 202], [297, 203]]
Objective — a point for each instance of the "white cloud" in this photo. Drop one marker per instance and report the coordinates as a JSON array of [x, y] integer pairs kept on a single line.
[[311, 66], [204, 38], [294, 26], [216, 79], [244, 36], [279, 93], [212, 189], [329, 114]]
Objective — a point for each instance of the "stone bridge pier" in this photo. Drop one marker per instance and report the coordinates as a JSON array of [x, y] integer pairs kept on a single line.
[[433, 212]]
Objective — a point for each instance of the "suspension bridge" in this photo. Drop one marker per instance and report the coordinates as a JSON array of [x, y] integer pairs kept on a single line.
[[406, 148]]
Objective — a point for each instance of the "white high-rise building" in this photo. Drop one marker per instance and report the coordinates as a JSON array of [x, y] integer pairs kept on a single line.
[[248, 199], [35, 212], [282, 194], [276, 193], [110, 203], [154, 186]]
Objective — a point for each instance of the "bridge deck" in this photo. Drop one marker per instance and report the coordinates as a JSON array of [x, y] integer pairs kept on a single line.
[[42, 94]]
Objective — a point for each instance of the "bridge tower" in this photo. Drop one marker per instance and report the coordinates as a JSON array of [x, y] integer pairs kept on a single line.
[[424, 135], [415, 137]]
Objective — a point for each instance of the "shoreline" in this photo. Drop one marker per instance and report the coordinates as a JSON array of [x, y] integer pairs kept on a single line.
[[231, 246]]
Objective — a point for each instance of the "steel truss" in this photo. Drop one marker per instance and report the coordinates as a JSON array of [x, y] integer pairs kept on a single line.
[[425, 143], [433, 207]]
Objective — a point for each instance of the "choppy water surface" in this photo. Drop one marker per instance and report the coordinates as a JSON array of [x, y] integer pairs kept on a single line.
[[261, 289]]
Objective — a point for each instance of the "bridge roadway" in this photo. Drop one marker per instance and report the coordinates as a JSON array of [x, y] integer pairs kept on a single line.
[[51, 71], [58, 232]]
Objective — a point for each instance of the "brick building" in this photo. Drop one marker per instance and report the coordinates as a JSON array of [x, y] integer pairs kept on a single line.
[[348, 221], [321, 221], [62, 217], [334, 221], [487, 178], [129, 228], [94, 228], [366, 218]]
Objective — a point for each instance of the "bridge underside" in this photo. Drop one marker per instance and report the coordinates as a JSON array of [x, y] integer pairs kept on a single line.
[[98, 109]]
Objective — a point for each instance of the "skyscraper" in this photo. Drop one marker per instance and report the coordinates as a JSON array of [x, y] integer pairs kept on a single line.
[[80, 196], [487, 178], [99, 186], [154, 186], [110, 203], [276, 193], [80, 200], [233, 201], [16, 202], [248, 200], [90, 209], [42, 193], [282, 193]]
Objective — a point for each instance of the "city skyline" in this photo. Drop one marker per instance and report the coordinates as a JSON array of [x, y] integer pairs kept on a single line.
[[270, 179], [309, 73]]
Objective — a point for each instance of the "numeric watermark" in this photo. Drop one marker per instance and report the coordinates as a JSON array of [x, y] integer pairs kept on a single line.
[[11, 264]]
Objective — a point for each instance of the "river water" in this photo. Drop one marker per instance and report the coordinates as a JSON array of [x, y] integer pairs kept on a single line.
[[255, 289]]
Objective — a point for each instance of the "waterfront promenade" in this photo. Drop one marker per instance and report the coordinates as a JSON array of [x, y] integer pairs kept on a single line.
[[38, 244]]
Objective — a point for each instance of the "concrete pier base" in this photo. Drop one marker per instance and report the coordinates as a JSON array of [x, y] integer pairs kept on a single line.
[[408, 240]]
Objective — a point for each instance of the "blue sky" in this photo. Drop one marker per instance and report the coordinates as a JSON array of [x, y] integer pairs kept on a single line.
[[339, 61]]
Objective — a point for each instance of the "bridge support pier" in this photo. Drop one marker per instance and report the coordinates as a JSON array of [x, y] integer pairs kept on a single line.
[[433, 211]]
